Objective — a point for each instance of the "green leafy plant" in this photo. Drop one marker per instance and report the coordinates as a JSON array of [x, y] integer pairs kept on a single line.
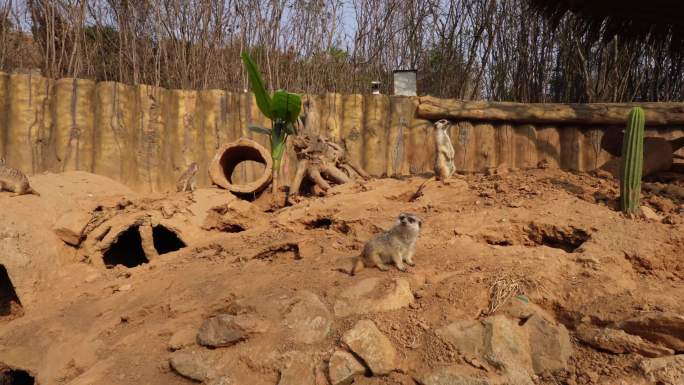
[[632, 161], [282, 108]]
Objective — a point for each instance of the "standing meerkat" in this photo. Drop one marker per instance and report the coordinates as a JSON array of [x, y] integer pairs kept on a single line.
[[444, 151], [397, 245], [186, 182], [14, 181]]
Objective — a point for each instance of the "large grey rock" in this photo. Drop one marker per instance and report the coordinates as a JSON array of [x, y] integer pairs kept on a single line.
[[308, 319], [449, 376], [506, 345], [373, 295], [550, 345], [663, 328], [225, 329], [298, 370], [619, 342], [664, 370], [466, 335], [191, 365], [342, 368], [373, 347]]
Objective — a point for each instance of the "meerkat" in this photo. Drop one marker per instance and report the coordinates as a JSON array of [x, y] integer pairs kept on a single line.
[[186, 182], [14, 181], [397, 246], [444, 151]]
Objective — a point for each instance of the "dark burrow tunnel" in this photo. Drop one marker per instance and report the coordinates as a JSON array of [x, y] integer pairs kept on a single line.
[[10, 306], [15, 377], [165, 240], [127, 250]]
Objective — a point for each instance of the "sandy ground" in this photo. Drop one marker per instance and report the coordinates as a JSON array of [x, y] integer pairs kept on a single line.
[[555, 232]]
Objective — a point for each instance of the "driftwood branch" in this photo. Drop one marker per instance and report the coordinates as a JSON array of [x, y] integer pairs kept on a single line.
[[323, 162], [657, 114]]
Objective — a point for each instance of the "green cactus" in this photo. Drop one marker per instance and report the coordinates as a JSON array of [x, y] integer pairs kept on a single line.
[[632, 162]]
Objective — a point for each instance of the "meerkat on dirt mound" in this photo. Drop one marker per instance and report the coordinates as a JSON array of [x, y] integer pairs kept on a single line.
[[186, 182], [444, 151], [397, 245], [14, 181]]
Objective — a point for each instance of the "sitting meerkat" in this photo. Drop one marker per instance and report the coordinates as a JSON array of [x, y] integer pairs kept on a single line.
[[14, 181], [397, 245], [444, 151], [186, 182]]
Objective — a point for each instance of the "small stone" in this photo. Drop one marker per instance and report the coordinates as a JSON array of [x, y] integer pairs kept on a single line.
[[371, 295], [125, 287], [550, 345], [619, 342], [466, 335], [191, 365], [664, 370], [225, 330], [92, 278], [664, 328], [298, 371], [309, 319], [69, 227], [223, 380], [449, 376], [649, 214], [506, 345], [373, 347], [182, 338], [342, 368]]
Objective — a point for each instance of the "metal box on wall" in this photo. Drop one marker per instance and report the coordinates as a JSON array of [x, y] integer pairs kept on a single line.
[[405, 83]]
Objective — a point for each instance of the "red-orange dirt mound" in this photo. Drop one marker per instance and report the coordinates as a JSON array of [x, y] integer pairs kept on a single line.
[[283, 307]]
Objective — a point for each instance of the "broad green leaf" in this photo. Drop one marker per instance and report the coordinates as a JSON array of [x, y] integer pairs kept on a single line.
[[259, 129], [286, 106], [263, 100]]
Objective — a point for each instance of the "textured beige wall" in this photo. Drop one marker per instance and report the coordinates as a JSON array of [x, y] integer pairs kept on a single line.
[[145, 136]]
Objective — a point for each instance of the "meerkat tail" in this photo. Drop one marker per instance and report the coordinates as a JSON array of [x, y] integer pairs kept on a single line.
[[357, 266]]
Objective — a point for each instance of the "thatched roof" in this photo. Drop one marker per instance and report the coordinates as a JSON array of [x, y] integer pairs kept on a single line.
[[654, 21]]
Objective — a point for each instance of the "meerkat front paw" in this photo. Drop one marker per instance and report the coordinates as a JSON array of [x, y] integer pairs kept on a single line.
[[410, 263], [383, 267]]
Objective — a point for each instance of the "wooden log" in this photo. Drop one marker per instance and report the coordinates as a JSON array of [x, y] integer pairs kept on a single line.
[[485, 141], [525, 146], [505, 145], [582, 114]]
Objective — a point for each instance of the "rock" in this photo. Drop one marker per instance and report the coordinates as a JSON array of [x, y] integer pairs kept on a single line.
[[506, 345], [666, 329], [466, 335], [619, 342], [649, 214], [550, 345], [191, 365], [664, 370], [449, 376], [373, 347], [69, 227], [309, 319], [372, 295], [223, 380], [342, 368], [182, 338], [299, 370], [225, 329], [236, 216]]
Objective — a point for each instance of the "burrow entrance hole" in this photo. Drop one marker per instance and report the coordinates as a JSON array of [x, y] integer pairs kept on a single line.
[[328, 223], [165, 240], [127, 250], [568, 238], [15, 377], [10, 306]]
